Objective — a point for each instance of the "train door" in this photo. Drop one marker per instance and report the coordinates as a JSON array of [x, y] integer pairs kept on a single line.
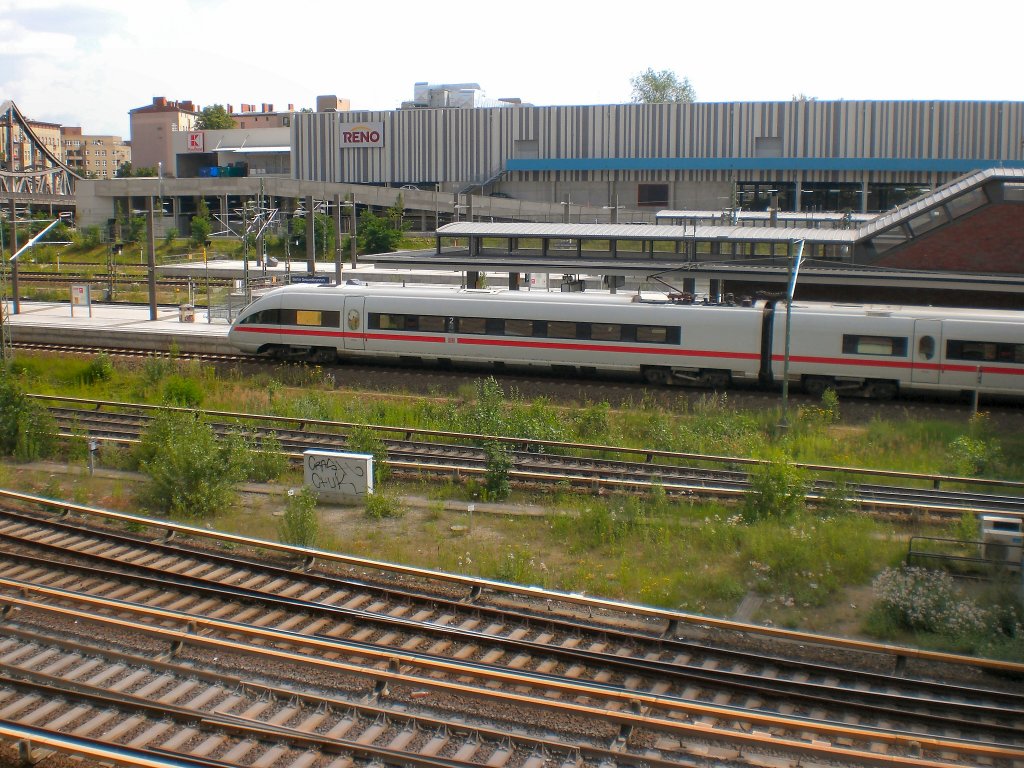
[[926, 351], [352, 320]]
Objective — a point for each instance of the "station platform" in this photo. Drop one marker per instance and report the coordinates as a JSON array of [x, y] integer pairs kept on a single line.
[[129, 325], [119, 325]]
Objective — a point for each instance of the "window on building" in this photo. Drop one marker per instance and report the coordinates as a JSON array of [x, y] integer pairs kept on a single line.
[[652, 194]]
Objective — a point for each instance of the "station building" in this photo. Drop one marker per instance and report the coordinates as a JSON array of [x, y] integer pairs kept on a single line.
[[859, 156]]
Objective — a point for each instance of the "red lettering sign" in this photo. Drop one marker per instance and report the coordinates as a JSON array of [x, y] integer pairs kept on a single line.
[[195, 142], [368, 135]]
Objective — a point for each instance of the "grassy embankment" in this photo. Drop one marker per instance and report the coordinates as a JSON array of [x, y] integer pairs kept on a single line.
[[812, 567]]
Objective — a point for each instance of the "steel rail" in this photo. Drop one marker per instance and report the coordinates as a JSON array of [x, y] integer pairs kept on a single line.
[[369, 710], [474, 586], [633, 701], [649, 454], [393, 592], [629, 477], [814, 693]]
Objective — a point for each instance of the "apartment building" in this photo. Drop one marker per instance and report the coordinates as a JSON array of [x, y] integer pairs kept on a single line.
[[94, 156]]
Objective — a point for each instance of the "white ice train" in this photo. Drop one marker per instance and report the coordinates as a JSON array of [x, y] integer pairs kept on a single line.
[[876, 351]]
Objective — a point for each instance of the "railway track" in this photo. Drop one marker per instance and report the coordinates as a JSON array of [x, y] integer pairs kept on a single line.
[[538, 680], [617, 391], [538, 463]]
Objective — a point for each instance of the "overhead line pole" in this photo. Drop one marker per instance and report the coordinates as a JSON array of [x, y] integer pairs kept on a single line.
[[790, 290]]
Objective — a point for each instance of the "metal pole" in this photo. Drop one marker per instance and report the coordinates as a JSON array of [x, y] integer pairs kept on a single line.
[[355, 233], [209, 306], [337, 239], [151, 248], [15, 304], [790, 289], [245, 251], [14, 236], [310, 237]]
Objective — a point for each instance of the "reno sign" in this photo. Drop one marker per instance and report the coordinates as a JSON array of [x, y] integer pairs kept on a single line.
[[362, 135]]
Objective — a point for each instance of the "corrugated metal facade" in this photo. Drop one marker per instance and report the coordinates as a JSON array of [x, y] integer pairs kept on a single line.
[[453, 146]]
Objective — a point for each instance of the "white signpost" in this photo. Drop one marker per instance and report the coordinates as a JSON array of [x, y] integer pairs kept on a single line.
[[80, 297], [337, 476]]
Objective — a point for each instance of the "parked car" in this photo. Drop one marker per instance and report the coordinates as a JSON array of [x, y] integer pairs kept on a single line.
[[500, 194]]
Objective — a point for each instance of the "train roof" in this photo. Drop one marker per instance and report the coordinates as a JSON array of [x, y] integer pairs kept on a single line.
[[633, 297]]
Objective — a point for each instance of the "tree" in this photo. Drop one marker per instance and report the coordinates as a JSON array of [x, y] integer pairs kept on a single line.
[[126, 170], [377, 234], [650, 87], [214, 118], [201, 224], [323, 233]]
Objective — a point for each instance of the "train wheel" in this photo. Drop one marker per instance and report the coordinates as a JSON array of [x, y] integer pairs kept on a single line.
[[714, 379], [657, 376], [883, 390], [815, 386]]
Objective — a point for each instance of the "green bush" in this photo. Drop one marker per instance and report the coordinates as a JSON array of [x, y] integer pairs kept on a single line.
[[368, 441], [259, 457], [182, 391], [27, 430], [88, 237], [100, 368], [155, 369], [300, 526], [383, 503], [776, 489], [190, 473], [496, 478], [969, 456]]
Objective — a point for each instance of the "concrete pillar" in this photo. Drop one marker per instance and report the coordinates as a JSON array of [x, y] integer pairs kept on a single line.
[[472, 279], [864, 196], [513, 281]]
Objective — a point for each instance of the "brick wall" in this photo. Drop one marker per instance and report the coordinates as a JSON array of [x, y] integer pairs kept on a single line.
[[990, 239]]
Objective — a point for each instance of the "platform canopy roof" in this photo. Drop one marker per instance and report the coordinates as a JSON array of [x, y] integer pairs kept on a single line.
[[645, 232]]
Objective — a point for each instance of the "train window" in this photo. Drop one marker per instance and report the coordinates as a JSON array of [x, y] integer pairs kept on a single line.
[[652, 334], [926, 347], [387, 322], [519, 327], [892, 346], [265, 317], [471, 325], [558, 329], [606, 331], [986, 351], [433, 323]]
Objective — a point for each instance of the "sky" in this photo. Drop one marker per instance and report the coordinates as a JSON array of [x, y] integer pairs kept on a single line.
[[88, 62]]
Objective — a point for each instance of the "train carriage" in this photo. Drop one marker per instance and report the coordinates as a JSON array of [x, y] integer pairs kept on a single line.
[[878, 351], [870, 350]]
